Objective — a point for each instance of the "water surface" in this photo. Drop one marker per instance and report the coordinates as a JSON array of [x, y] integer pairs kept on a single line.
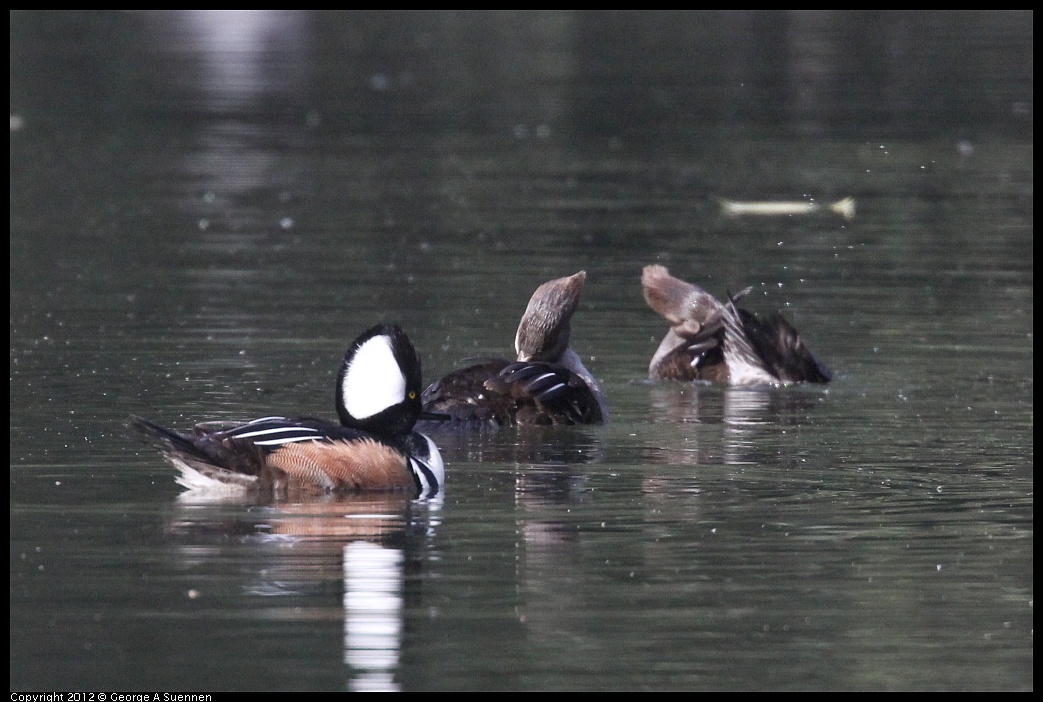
[[206, 209]]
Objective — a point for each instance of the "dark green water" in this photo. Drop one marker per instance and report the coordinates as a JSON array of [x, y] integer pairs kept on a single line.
[[205, 210]]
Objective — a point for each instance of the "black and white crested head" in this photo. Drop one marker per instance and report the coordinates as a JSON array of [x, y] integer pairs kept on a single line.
[[378, 388]]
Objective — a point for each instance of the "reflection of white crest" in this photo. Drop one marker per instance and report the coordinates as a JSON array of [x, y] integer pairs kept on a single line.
[[372, 614]]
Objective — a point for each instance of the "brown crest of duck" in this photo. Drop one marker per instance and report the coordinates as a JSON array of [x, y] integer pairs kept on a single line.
[[546, 383]]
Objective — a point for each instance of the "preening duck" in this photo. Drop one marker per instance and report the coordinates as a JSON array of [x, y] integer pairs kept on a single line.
[[719, 341]]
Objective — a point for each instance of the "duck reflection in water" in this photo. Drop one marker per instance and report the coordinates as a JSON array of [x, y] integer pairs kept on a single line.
[[725, 425], [361, 547], [546, 384]]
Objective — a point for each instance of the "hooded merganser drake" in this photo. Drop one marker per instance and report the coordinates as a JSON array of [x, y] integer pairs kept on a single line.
[[374, 448], [547, 383], [711, 340]]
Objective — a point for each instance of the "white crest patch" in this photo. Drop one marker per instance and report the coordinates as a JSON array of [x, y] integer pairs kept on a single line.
[[373, 381]]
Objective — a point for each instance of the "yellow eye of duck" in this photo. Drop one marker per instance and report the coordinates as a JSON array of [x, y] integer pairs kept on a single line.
[[412, 395]]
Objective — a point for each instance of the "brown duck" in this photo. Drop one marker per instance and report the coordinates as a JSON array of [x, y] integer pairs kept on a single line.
[[721, 342], [547, 382]]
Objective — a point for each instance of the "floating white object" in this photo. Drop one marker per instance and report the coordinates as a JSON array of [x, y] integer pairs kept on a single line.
[[734, 208]]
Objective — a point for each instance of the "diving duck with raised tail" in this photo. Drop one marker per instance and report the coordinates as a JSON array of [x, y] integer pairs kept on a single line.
[[373, 448], [546, 384], [721, 342]]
